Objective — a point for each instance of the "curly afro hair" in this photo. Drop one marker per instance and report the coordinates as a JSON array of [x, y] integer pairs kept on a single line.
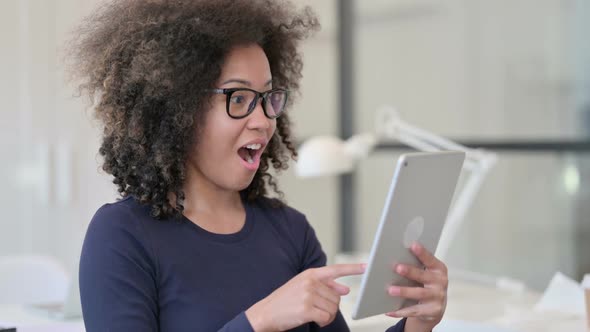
[[147, 65]]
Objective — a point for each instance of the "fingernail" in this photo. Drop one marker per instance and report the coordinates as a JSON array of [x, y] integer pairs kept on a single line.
[[400, 269], [364, 266], [416, 247], [392, 314], [393, 290]]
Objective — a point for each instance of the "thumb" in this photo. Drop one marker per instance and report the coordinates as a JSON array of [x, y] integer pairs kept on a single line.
[[339, 288]]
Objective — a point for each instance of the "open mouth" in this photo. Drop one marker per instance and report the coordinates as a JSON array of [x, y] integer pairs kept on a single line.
[[250, 153]]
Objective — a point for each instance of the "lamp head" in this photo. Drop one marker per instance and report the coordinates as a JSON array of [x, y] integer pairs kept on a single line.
[[329, 155], [323, 155]]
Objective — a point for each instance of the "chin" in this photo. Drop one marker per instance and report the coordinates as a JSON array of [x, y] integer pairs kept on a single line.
[[243, 184]]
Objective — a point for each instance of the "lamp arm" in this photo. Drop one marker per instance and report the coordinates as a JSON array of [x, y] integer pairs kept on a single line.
[[437, 142], [388, 123]]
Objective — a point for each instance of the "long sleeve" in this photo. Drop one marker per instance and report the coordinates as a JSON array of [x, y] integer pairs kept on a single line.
[[139, 274], [399, 327], [117, 275], [238, 324]]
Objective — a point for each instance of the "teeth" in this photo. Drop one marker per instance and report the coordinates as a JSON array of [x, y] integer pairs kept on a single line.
[[249, 160], [253, 146]]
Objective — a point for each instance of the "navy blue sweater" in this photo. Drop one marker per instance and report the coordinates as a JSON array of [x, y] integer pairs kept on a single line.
[[139, 274]]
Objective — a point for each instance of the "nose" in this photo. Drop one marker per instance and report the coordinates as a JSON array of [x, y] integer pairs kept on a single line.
[[257, 120]]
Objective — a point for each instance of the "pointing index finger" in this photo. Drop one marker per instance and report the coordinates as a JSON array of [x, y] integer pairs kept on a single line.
[[340, 270]]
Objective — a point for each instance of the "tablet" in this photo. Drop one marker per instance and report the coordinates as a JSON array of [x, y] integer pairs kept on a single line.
[[415, 210]]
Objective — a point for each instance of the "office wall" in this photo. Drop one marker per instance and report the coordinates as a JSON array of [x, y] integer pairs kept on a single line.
[[484, 70], [51, 182]]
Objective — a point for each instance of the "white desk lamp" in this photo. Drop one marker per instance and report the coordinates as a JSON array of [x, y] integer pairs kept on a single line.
[[328, 155]]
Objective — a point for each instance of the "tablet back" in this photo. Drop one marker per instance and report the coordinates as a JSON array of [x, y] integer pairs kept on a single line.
[[415, 210]]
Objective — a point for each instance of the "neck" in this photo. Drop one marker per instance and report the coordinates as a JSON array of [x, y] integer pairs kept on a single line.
[[211, 207], [202, 196]]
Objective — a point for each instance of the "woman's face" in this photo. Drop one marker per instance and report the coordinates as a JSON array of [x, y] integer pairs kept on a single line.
[[228, 151]]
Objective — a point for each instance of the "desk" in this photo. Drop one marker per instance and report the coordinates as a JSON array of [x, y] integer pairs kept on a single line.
[[473, 307], [470, 307], [27, 321]]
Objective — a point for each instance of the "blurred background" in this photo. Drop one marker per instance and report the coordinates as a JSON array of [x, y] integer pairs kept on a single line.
[[511, 76]]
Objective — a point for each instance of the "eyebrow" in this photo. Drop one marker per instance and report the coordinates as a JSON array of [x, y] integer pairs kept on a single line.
[[244, 82]]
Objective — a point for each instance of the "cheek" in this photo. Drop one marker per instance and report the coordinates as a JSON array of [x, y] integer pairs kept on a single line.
[[213, 145], [218, 131], [217, 144]]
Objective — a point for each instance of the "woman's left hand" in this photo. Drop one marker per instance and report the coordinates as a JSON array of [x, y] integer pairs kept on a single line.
[[432, 298]]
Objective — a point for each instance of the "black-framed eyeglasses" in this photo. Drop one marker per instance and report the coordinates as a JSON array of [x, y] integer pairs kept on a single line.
[[240, 102]]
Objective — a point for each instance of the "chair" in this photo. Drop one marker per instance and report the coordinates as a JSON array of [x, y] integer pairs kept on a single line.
[[30, 279]]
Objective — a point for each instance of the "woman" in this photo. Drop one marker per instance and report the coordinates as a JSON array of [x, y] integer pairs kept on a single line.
[[192, 96]]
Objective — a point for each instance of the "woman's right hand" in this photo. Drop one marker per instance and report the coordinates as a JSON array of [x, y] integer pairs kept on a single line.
[[311, 296]]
